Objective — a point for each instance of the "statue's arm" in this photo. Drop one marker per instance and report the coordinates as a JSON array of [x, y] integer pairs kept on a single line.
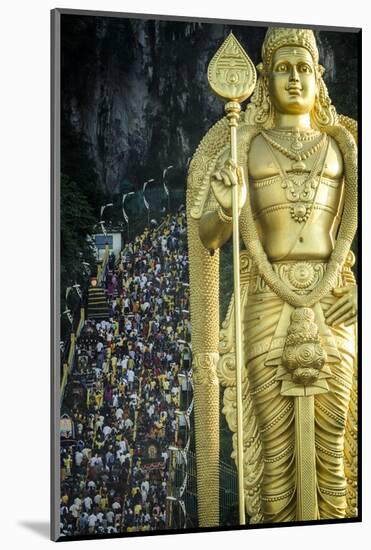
[[213, 231], [345, 309], [215, 226]]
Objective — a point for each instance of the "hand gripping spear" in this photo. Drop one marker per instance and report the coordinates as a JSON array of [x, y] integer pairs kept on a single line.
[[232, 77]]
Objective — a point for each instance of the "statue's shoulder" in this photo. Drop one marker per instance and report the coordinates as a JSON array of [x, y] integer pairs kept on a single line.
[[217, 138], [350, 125], [334, 163], [342, 150], [257, 143], [247, 135], [258, 157], [345, 131]]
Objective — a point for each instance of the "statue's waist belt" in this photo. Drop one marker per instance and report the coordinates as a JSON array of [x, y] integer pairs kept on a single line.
[[300, 276]]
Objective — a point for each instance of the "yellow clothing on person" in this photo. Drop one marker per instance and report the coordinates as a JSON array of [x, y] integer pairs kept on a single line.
[[104, 503]]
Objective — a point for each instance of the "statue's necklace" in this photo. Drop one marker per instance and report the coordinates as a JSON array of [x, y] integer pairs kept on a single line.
[[302, 194], [296, 146]]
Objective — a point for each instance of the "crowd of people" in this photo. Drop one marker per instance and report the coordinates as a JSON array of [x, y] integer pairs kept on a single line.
[[123, 395]]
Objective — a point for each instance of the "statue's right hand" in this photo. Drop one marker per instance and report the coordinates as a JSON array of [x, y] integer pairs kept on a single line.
[[221, 183]]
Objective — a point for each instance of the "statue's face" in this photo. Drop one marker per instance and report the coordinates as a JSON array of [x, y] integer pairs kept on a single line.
[[292, 80]]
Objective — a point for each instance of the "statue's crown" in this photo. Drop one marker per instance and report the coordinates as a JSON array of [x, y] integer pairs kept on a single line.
[[277, 37]]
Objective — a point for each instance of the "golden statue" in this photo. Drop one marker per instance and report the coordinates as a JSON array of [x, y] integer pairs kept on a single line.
[[295, 179]]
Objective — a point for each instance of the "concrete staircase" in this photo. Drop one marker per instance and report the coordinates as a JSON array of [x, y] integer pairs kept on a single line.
[[97, 304]]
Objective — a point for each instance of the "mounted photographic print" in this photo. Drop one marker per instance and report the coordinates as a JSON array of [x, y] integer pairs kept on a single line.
[[204, 285]]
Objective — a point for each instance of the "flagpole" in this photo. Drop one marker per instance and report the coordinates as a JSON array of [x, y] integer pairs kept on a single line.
[[124, 213], [166, 189], [146, 203]]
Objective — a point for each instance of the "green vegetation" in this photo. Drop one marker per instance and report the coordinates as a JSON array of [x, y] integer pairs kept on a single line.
[[77, 221]]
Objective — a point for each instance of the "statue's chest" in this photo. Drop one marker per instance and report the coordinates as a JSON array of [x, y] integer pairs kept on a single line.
[[265, 161], [293, 200], [275, 192], [278, 183]]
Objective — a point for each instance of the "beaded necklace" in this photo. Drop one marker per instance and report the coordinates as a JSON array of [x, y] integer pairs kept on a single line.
[[295, 155], [302, 194]]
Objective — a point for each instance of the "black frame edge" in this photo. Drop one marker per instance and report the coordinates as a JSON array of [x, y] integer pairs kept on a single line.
[[55, 269]]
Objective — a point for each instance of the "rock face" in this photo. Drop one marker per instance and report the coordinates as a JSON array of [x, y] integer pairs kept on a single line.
[[135, 92]]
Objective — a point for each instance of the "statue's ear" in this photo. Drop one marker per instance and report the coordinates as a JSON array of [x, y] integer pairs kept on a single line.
[[321, 70]]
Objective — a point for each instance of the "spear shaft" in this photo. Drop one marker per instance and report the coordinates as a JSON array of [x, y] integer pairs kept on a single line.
[[232, 77], [233, 109]]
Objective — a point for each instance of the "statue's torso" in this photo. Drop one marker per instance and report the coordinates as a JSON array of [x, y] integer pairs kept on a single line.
[[282, 236]]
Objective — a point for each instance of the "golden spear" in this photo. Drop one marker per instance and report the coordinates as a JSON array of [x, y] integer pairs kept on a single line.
[[232, 77]]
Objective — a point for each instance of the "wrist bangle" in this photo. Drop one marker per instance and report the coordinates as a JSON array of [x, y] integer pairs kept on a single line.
[[223, 217]]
